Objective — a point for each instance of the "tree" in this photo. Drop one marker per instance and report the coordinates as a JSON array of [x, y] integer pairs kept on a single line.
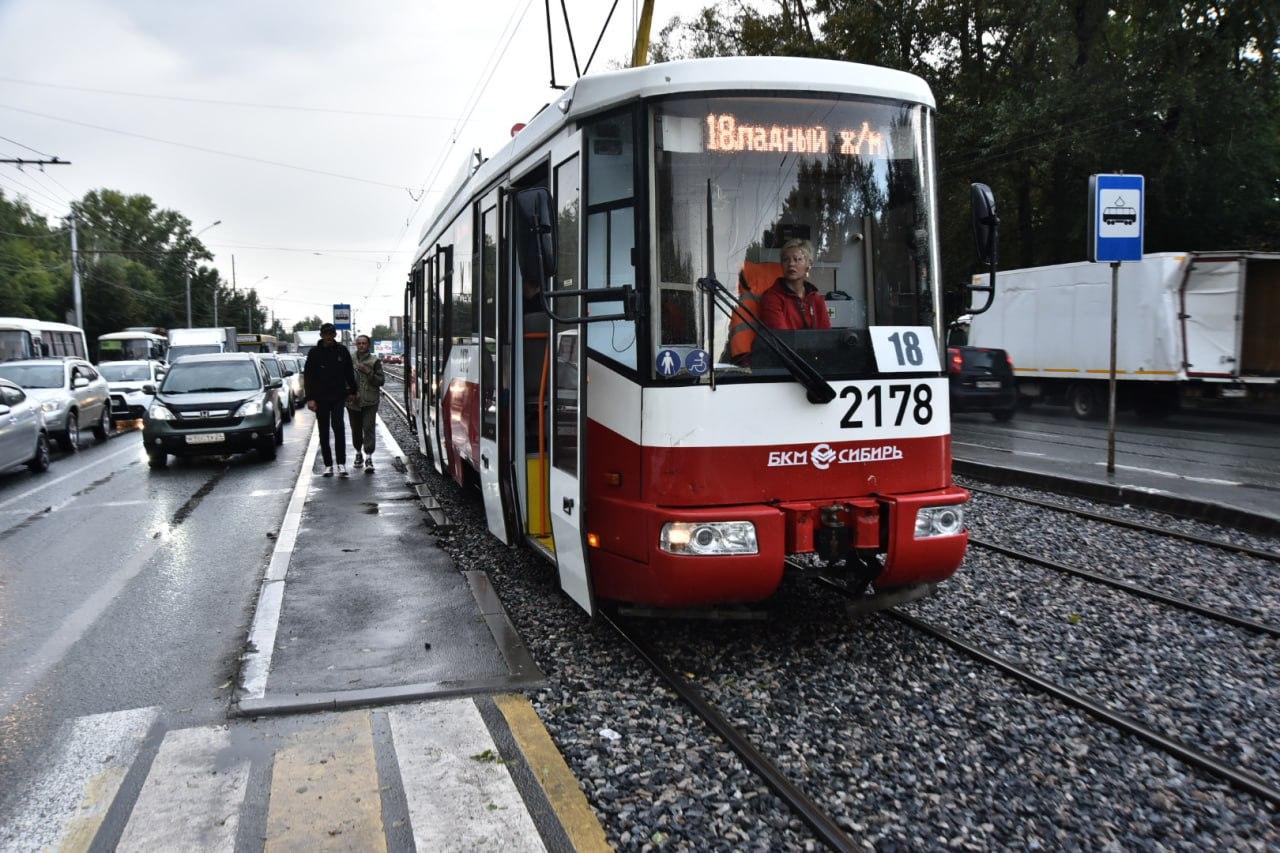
[[382, 333], [308, 324]]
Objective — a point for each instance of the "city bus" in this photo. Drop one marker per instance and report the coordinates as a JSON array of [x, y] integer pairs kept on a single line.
[[22, 337]]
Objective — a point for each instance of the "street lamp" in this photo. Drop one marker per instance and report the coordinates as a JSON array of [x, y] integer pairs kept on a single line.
[[187, 274]]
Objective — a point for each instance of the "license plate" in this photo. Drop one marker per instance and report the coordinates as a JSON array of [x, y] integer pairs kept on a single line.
[[206, 438], [988, 383], [1235, 393]]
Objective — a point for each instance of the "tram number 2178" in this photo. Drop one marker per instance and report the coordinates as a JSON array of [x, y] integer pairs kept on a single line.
[[884, 401]]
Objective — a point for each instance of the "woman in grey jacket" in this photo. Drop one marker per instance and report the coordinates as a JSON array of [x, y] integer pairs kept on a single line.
[[363, 408]]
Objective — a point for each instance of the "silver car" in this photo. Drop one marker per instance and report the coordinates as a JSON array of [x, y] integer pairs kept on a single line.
[[277, 369], [71, 393], [22, 437], [126, 379], [293, 376]]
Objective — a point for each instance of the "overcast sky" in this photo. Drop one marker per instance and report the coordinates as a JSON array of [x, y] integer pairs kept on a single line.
[[319, 239]]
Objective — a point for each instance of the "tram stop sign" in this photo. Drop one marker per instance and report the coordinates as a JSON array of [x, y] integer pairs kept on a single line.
[[1116, 208], [342, 317]]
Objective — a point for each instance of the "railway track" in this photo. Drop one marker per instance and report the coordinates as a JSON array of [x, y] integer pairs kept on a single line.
[[1131, 588], [1239, 778], [1270, 556]]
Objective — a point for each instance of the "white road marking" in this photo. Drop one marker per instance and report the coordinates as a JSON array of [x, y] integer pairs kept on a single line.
[[460, 795], [389, 441], [266, 615], [1211, 481], [1000, 449], [191, 799], [44, 484], [63, 809]]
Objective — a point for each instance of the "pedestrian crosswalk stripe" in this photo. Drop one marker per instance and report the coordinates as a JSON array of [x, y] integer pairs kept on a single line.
[[460, 794], [191, 799], [324, 790], [67, 804]]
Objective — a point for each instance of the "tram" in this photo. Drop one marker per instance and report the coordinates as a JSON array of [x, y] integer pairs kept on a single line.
[[585, 342]]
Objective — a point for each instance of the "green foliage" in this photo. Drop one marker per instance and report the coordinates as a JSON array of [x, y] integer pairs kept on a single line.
[[308, 324], [382, 333], [1034, 96]]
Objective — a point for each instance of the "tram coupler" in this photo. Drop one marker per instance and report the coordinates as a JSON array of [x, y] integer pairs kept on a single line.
[[833, 539]]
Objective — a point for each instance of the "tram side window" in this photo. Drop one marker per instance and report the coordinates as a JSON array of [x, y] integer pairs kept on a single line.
[[564, 447], [463, 320], [610, 232]]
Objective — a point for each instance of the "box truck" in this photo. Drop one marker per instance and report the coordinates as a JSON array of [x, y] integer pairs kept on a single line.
[[201, 341], [1190, 326]]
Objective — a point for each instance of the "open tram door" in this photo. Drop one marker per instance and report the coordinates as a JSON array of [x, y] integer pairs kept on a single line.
[[547, 228]]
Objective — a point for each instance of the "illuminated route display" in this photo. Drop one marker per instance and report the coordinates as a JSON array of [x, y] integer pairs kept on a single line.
[[725, 133]]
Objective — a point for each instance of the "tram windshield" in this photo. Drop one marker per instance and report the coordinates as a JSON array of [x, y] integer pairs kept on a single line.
[[849, 179]]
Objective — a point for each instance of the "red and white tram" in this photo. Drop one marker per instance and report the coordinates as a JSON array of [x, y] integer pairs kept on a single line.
[[573, 354]]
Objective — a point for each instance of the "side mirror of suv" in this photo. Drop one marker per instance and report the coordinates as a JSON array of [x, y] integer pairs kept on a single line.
[[149, 388], [4, 410], [79, 382], [275, 383]]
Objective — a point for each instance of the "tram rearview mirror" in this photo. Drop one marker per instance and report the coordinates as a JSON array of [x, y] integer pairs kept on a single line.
[[536, 233], [986, 224]]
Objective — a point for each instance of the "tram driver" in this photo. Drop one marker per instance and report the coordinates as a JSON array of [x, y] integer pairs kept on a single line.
[[794, 302]]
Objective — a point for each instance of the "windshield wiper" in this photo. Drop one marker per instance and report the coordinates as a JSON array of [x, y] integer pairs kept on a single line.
[[205, 390], [817, 389]]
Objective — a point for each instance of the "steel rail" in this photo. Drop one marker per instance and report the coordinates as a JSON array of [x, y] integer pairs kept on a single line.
[[1133, 589], [1239, 778], [1270, 556], [826, 829]]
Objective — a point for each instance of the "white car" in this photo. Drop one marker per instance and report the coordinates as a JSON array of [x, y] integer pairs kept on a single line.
[[71, 393], [125, 380], [22, 437]]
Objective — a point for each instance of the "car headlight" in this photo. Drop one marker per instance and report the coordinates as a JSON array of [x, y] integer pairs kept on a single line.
[[50, 406], [708, 537], [250, 407], [939, 521], [159, 413]]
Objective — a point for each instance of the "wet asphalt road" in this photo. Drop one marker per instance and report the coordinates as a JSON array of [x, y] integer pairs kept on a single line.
[[123, 587]]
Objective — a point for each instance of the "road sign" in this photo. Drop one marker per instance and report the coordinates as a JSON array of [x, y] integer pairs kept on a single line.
[[342, 317], [1116, 212]]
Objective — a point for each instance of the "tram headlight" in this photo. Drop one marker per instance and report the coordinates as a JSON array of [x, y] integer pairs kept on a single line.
[[709, 538], [939, 521]]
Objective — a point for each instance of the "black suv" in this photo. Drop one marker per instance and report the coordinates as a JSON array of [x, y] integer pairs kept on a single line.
[[982, 380], [214, 404]]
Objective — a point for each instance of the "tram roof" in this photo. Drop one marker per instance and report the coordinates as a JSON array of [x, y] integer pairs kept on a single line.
[[600, 92]]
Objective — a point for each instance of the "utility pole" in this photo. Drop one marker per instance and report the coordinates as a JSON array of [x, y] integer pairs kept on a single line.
[[215, 303], [186, 277], [75, 270]]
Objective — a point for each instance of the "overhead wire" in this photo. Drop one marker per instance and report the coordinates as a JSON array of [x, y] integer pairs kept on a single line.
[[473, 99], [28, 147], [223, 102], [206, 150]]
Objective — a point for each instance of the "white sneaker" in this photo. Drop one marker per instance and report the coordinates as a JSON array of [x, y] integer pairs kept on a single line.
[[342, 470], [368, 463], [328, 471]]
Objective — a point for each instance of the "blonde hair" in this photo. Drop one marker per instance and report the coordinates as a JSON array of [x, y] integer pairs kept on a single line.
[[803, 245]]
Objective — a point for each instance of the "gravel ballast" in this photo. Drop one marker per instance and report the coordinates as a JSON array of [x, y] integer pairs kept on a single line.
[[904, 741]]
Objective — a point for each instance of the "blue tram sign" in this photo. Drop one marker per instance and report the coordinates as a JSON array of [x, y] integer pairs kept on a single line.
[[1116, 207], [341, 316]]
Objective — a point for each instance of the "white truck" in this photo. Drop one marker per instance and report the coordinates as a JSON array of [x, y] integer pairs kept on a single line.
[[201, 341], [1190, 325], [304, 341]]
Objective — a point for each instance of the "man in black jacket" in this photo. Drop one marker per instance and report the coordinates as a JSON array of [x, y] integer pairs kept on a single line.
[[330, 381]]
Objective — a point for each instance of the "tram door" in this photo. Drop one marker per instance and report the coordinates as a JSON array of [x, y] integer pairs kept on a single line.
[[492, 403], [439, 268], [568, 370]]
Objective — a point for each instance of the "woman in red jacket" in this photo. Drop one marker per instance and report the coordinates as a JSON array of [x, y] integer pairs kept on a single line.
[[792, 302]]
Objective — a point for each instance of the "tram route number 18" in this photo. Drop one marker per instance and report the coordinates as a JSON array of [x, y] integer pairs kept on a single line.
[[905, 349], [896, 401]]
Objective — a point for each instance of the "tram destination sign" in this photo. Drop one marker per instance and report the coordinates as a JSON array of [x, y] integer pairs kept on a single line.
[[727, 134]]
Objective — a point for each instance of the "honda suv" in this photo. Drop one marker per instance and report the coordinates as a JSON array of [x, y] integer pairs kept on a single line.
[[981, 380], [213, 404]]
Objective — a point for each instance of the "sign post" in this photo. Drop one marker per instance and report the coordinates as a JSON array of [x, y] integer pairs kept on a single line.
[[1116, 218], [342, 317]]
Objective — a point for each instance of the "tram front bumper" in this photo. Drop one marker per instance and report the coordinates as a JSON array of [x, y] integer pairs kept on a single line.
[[637, 563]]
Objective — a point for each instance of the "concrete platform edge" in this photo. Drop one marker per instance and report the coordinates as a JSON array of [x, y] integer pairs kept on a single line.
[[1119, 493], [338, 700]]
